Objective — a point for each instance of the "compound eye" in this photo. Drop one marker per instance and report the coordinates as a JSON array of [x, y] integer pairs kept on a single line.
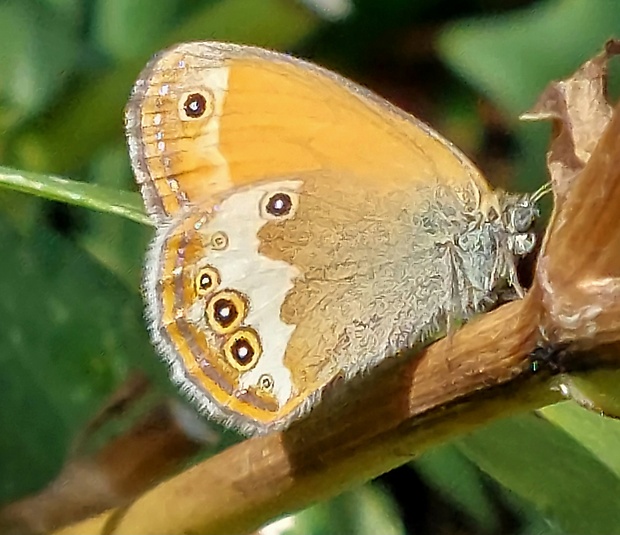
[[522, 244], [207, 280], [243, 349], [523, 216], [225, 311]]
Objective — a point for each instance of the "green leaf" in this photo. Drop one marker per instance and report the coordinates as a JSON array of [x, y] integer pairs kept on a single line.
[[460, 481], [70, 334], [597, 390], [117, 32], [548, 467], [364, 511], [38, 50], [123, 203], [597, 434], [512, 58]]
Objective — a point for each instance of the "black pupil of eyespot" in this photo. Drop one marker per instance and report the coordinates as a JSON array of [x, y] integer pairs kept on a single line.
[[225, 312], [205, 281], [242, 350], [279, 204], [195, 105]]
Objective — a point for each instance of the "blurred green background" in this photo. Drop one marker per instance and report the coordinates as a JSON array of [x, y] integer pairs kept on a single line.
[[72, 328]]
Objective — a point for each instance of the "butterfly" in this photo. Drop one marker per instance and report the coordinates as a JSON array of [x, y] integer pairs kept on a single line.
[[306, 229]]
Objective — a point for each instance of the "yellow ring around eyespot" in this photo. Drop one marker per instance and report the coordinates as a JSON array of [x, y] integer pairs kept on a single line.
[[235, 306], [200, 282], [247, 339]]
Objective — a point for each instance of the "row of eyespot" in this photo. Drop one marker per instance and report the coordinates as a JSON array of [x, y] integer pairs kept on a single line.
[[225, 312]]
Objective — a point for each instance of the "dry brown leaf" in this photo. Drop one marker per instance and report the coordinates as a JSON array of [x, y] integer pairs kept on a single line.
[[577, 271], [580, 110]]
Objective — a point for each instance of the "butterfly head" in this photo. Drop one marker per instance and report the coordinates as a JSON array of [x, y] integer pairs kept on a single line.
[[519, 216]]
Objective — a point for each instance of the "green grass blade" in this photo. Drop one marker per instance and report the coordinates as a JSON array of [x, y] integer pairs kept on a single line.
[[124, 203]]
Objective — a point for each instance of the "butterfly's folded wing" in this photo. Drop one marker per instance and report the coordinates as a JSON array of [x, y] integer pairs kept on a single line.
[[301, 222]]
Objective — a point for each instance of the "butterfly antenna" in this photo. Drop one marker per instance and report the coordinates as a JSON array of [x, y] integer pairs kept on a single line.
[[541, 192]]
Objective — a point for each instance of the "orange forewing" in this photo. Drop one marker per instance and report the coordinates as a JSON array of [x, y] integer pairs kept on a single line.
[[275, 116]]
